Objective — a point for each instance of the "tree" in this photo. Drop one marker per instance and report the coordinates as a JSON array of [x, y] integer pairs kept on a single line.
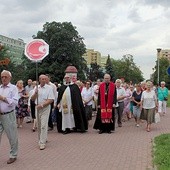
[[66, 47], [5, 54], [127, 69], [163, 66], [109, 67], [95, 72]]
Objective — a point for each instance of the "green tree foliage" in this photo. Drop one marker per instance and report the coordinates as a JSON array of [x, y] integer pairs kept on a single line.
[[127, 69], [163, 75], [109, 67], [66, 47], [6, 54], [95, 72]]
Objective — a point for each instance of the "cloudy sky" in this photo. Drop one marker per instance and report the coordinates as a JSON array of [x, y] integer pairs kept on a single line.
[[115, 27]]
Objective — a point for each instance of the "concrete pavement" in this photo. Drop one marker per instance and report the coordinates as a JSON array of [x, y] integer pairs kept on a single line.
[[128, 148]]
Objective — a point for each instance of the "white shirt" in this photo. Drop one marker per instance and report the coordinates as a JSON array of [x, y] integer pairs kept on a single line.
[[54, 88], [30, 94], [44, 93], [87, 94], [120, 92], [11, 93], [28, 88], [148, 99]]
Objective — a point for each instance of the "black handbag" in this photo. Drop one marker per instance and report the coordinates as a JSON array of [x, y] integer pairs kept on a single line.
[[165, 98]]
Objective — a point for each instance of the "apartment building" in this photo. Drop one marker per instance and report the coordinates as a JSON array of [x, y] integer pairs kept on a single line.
[[15, 46]]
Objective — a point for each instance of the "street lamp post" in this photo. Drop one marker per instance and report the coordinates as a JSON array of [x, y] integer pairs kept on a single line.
[[158, 57]]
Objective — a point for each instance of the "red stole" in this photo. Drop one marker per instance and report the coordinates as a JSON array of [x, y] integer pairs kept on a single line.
[[106, 108]]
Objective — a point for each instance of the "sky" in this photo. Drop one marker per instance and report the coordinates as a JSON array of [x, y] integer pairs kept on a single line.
[[114, 27]]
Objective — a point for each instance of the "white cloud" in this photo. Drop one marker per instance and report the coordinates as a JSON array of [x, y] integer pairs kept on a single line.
[[115, 27]]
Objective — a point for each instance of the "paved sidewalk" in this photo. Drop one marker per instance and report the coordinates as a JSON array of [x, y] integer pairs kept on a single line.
[[128, 148]]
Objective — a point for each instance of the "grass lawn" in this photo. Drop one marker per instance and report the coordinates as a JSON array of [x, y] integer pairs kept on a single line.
[[162, 149], [162, 152], [168, 102]]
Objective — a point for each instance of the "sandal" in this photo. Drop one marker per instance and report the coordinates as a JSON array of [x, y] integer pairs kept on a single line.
[[148, 130]]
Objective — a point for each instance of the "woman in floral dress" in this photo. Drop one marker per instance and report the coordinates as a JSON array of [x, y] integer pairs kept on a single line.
[[22, 107]]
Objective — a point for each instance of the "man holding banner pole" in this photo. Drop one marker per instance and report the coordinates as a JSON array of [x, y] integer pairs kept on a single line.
[[36, 50], [43, 97]]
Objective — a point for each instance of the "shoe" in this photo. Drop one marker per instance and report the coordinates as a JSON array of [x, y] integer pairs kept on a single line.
[[109, 132], [20, 126], [50, 129], [119, 125], [137, 125], [101, 131], [28, 121], [33, 129], [66, 132], [11, 160], [42, 146], [74, 130]]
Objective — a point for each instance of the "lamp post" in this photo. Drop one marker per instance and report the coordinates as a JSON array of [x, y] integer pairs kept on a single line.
[[158, 57]]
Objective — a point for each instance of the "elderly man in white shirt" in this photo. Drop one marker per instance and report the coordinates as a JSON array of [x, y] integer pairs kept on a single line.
[[87, 96], [121, 94], [43, 96], [8, 102]]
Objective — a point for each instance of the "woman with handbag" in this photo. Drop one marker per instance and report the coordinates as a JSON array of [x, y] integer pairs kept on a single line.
[[148, 104], [162, 98]]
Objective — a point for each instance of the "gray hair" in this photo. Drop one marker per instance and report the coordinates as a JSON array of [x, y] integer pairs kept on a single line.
[[118, 81], [6, 71]]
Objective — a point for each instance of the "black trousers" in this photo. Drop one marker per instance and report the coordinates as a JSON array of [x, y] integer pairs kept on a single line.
[[32, 105], [119, 112], [50, 120]]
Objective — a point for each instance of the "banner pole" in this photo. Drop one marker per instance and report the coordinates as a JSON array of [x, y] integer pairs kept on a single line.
[[38, 117]]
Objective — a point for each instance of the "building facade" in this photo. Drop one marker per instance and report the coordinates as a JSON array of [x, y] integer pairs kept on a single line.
[[92, 56], [15, 46]]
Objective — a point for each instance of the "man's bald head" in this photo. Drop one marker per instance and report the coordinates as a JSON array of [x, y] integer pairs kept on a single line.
[[107, 78]]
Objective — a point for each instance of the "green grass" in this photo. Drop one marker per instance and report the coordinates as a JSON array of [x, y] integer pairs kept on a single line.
[[168, 102], [161, 152], [161, 149]]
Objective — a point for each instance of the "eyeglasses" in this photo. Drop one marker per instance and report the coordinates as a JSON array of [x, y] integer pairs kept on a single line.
[[4, 77]]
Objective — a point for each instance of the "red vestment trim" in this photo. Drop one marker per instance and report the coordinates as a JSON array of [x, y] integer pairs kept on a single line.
[[106, 108]]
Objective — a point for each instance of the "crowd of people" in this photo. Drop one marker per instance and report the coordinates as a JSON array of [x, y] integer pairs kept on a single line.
[[73, 104]]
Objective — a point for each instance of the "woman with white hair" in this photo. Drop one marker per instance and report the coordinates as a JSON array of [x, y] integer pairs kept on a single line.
[[148, 104], [162, 98]]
